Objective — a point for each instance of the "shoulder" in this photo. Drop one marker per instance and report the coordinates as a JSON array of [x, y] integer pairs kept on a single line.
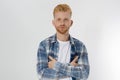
[[46, 40], [77, 42]]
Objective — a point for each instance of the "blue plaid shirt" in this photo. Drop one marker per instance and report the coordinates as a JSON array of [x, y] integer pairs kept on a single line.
[[50, 47]]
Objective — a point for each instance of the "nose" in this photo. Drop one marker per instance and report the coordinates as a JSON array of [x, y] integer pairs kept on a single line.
[[62, 22]]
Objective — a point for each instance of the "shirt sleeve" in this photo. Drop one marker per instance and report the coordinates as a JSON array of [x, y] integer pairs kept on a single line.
[[45, 73], [80, 72]]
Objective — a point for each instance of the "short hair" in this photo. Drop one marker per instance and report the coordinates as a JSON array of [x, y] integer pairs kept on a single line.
[[62, 8]]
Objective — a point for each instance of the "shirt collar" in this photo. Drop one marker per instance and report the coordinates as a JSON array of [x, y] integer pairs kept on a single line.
[[54, 39]]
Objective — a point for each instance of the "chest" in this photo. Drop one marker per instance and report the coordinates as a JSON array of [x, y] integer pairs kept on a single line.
[[57, 52]]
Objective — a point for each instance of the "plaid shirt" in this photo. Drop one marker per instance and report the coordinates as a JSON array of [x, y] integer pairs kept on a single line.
[[50, 47]]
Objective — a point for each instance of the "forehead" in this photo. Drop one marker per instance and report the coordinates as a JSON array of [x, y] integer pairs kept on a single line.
[[62, 15]]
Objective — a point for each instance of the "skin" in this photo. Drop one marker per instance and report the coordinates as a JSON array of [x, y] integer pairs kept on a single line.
[[52, 62], [62, 23]]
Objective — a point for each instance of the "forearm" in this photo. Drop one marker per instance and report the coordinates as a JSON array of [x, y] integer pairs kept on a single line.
[[80, 71], [46, 73]]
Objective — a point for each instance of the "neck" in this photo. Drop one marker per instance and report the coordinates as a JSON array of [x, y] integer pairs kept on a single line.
[[63, 37]]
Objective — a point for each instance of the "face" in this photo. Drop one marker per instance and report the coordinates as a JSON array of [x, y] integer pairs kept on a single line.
[[62, 22]]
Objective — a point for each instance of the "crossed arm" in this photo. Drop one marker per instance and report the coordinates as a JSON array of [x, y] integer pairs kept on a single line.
[[54, 69], [52, 62]]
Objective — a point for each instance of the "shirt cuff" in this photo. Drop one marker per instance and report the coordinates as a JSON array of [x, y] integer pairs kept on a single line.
[[62, 68], [57, 66]]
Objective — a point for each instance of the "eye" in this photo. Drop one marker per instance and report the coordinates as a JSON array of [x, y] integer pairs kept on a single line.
[[66, 19], [58, 19]]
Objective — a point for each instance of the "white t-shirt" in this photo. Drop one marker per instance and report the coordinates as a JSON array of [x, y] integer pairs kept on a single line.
[[64, 54]]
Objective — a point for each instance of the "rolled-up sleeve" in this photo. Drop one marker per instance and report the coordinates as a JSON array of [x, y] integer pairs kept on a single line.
[[80, 72]]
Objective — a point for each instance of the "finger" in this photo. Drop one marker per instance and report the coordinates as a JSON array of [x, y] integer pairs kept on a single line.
[[75, 59], [49, 64], [51, 58], [75, 64]]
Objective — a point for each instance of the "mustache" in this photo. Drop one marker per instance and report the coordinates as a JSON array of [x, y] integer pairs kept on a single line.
[[62, 25]]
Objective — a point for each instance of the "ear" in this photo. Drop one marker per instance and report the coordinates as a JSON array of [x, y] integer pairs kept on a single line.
[[71, 22]]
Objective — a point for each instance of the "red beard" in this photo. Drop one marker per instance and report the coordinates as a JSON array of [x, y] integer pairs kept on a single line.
[[62, 29]]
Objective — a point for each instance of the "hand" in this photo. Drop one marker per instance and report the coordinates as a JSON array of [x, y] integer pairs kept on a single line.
[[73, 63], [51, 63]]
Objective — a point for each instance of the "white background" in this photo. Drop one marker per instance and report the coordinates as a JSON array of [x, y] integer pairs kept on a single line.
[[24, 23]]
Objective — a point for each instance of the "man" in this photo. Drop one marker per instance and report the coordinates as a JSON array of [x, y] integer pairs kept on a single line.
[[62, 57]]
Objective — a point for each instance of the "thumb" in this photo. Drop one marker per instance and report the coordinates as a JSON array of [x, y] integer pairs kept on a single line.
[[51, 58], [75, 59]]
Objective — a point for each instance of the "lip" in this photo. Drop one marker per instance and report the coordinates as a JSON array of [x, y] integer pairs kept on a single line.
[[62, 26]]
